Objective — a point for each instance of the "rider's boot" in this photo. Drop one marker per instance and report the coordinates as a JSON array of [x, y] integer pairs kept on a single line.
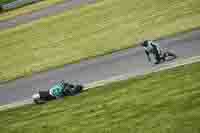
[[157, 61], [163, 58], [157, 58]]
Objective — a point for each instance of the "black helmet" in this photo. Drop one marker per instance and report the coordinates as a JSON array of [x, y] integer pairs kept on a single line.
[[145, 43]]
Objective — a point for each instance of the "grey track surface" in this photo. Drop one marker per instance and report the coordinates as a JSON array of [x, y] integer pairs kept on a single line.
[[123, 62], [49, 11]]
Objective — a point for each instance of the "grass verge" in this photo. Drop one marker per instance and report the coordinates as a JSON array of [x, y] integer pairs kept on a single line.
[[97, 29], [5, 1], [27, 9], [166, 102]]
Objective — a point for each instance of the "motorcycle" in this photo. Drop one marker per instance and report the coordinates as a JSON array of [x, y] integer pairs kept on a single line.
[[168, 55], [165, 55]]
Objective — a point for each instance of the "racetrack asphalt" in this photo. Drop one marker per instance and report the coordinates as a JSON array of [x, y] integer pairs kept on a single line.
[[127, 61], [36, 15]]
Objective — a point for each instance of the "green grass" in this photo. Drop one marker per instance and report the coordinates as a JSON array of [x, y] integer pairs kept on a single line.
[[5, 1], [107, 26], [163, 102], [27, 9]]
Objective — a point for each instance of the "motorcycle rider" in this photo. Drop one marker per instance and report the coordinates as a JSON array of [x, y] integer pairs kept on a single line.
[[152, 48], [57, 91]]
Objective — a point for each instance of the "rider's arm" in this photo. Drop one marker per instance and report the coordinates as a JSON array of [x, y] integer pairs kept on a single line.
[[156, 45], [148, 55], [157, 49]]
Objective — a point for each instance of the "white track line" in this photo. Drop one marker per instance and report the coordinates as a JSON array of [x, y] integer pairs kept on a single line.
[[165, 66], [15, 104]]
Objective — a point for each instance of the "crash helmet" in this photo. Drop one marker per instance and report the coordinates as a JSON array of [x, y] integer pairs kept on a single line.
[[36, 96], [145, 43]]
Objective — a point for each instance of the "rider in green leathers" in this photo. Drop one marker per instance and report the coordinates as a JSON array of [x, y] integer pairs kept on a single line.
[[57, 90]]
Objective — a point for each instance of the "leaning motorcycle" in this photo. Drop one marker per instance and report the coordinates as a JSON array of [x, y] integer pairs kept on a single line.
[[167, 55]]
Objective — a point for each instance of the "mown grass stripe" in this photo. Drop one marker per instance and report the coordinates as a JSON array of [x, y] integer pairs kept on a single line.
[[107, 25]]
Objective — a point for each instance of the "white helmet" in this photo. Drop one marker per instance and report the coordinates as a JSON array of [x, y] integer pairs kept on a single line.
[[36, 96]]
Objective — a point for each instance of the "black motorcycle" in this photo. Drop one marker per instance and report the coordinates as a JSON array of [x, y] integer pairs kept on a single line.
[[167, 55]]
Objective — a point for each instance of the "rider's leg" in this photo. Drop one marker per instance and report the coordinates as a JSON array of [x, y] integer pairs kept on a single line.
[[163, 57], [157, 57], [45, 95]]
